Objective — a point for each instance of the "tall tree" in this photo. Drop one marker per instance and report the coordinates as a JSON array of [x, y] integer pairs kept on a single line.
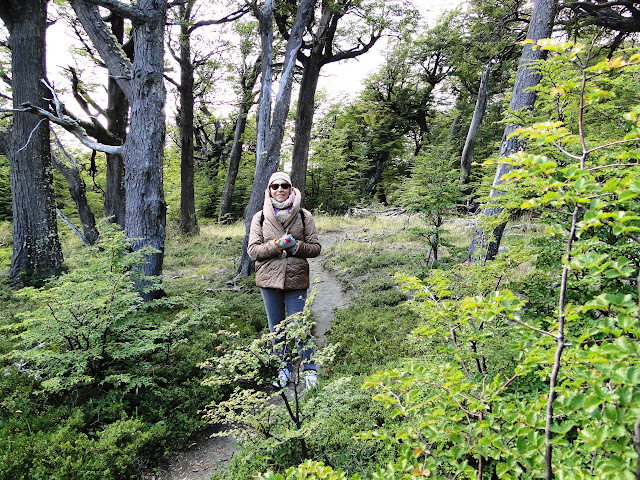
[[476, 121], [116, 113], [495, 28], [142, 83], [247, 77], [36, 246], [271, 130], [325, 46], [401, 96], [189, 62], [522, 100]]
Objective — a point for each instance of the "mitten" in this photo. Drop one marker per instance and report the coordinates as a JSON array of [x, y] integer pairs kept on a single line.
[[286, 242]]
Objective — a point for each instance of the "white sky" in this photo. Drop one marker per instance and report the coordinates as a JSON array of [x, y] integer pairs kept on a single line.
[[343, 79]]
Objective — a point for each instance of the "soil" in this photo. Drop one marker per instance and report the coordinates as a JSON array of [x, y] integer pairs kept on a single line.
[[206, 455]]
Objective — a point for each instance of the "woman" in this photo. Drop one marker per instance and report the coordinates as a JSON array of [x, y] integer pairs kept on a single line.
[[281, 238]]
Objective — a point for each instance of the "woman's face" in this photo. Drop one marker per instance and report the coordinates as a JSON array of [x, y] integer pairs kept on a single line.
[[278, 192]]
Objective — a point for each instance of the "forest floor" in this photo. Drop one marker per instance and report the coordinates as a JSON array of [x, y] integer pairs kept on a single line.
[[207, 455]]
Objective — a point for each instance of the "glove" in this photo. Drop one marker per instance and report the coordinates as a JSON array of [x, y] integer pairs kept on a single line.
[[287, 242]]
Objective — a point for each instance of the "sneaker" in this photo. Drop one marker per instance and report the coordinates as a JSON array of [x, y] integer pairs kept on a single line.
[[310, 379], [283, 378]]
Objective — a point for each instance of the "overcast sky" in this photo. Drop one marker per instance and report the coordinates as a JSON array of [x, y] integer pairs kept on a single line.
[[338, 79]]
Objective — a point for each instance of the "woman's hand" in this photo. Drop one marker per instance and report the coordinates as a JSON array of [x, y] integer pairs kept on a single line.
[[286, 242]]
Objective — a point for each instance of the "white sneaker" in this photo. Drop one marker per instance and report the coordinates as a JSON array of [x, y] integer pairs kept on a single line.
[[283, 378], [310, 379]]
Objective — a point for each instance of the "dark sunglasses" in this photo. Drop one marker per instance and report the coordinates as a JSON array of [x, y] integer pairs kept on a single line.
[[275, 186]]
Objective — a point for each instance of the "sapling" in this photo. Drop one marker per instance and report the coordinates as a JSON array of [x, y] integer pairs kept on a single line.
[[251, 368]]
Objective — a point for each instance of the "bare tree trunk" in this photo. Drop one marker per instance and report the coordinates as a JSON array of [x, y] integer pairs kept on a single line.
[[321, 52], [78, 192], [36, 247], [117, 117], [270, 134], [143, 152], [143, 84], [188, 221], [476, 121], [248, 82], [375, 178], [522, 99]]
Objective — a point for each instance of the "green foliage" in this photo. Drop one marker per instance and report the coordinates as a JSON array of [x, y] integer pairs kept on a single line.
[[61, 448], [335, 177], [310, 470], [371, 331], [567, 396], [145, 398], [85, 323], [346, 409], [432, 189]]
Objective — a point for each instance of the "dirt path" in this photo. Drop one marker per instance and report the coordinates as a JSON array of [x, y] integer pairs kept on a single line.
[[210, 455]]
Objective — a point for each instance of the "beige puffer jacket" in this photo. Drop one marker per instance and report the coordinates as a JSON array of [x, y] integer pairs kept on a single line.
[[272, 271]]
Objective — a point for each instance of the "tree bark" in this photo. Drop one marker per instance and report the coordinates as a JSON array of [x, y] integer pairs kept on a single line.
[[143, 151], [304, 122], [376, 176], [270, 134], [36, 247], [472, 135], [78, 192], [248, 82], [523, 99], [188, 222], [117, 119]]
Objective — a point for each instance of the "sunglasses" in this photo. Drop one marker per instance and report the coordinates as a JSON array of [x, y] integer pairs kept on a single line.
[[284, 186]]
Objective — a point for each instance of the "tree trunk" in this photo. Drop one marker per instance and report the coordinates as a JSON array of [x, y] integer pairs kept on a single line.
[[143, 151], [472, 135], [375, 178], [188, 221], [523, 98], [117, 117], [320, 54], [304, 122], [78, 192], [236, 150], [270, 134], [36, 247]]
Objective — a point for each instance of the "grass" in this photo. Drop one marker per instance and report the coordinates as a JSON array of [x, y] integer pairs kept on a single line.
[[207, 260]]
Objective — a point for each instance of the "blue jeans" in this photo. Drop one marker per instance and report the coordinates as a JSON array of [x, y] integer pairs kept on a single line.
[[275, 303]]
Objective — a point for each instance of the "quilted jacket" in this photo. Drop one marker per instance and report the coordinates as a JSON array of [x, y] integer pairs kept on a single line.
[[272, 271]]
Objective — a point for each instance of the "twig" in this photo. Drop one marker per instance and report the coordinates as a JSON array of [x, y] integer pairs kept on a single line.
[[600, 147], [31, 135], [600, 167], [543, 332], [75, 230]]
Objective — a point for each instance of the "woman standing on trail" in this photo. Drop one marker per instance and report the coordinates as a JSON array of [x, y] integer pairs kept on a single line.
[[281, 238]]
